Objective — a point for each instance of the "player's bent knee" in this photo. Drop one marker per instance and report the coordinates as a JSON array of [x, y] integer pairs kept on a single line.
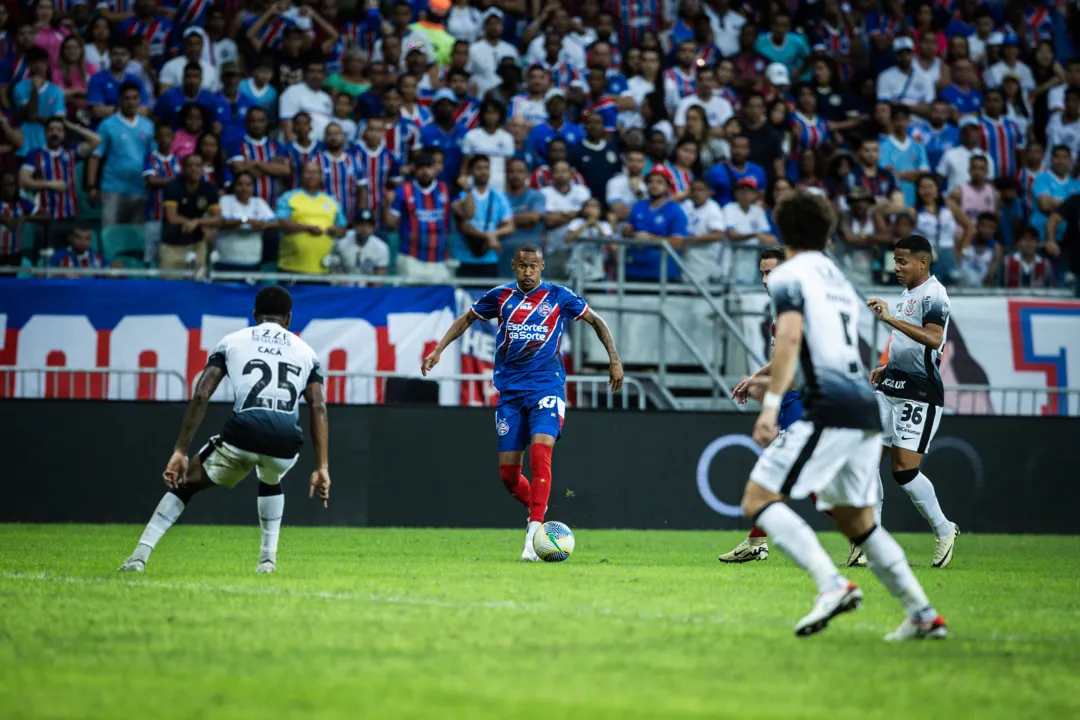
[[903, 477], [755, 498], [197, 479], [542, 439], [268, 490]]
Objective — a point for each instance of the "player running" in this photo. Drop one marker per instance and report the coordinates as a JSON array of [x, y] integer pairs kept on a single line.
[[529, 374], [270, 368], [910, 394], [833, 450], [756, 546]]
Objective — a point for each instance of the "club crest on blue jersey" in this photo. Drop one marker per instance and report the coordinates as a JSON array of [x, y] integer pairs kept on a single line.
[[502, 427]]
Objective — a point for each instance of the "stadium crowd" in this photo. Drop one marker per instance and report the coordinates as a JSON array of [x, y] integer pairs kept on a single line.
[[428, 139]]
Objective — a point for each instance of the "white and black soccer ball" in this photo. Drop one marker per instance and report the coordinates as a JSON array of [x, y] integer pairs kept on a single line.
[[554, 542]]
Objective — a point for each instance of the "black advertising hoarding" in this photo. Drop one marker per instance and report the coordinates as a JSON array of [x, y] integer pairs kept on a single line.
[[85, 461]]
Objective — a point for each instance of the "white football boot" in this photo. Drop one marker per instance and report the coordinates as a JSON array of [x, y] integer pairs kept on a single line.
[[828, 605], [856, 557], [528, 553], [749, 550], [132, 564], [914, 630], [943, 548]]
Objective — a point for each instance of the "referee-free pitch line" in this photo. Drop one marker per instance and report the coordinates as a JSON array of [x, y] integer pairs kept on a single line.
[[375, 599]]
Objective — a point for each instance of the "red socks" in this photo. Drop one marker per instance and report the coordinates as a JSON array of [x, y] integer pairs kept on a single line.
[[515, 482], [756, 532], [540, 462]]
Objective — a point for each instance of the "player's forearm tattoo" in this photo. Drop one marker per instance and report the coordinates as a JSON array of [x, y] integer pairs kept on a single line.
[[604, 335]]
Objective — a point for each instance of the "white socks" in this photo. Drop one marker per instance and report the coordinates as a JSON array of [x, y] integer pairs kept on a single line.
[[922, 494], [795, 537], [891, 567], [167, 512], [271, 508]]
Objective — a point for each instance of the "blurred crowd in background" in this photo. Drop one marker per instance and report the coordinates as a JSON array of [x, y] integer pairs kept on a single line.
[[429, 139]]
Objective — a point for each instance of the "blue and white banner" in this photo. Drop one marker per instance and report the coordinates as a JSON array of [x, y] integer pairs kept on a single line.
[[171, 326]]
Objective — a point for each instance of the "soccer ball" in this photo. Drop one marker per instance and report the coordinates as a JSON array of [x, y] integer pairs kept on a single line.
[[554, 542]]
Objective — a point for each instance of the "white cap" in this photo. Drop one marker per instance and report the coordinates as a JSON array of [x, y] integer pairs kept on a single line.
[[967, 120], [489, 12], [554, 93], [996, 38], [903, 43], [778, 74]]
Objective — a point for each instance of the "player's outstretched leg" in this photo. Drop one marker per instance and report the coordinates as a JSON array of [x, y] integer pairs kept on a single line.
[[889, 564], [168, 511], [836, 594], [540, 463], [271, 504], [754, 547], [906, 472]]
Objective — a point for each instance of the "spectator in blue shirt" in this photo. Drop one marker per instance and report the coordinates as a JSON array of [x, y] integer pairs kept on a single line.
[[656, 218], [126, 139], [13, 68], [259, 90], [902, 156], [236, 104], [722, 177], [1050, 189], [103, 90], [485, 217], [37, 100], [963, 96], [528, 206], [556, 126], [172, 101], [938, 135], [443, 133], [780, 45]]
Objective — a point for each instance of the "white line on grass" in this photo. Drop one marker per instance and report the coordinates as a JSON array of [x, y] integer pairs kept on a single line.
[[514, 605]]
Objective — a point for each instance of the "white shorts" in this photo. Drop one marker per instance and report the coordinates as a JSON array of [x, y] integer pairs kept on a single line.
[[908, 424], [227, 465], [839, 465]]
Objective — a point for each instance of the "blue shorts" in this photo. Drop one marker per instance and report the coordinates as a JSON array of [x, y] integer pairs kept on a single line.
[[790, 410], [521, 415]]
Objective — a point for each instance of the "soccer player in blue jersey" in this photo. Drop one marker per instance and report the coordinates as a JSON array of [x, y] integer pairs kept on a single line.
[[756, 546], [529, 374]]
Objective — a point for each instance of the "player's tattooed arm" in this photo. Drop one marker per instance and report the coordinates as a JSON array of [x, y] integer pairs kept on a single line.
[[196, 410], [929, 334], [176, 470], [456, 330], [603, 333]]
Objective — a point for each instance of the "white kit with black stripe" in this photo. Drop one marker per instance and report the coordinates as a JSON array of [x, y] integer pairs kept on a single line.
[[269, 368], [911, 395], [834, 450]]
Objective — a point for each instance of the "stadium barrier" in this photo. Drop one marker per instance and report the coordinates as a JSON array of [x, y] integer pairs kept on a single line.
[[428, 466], [61, 383]]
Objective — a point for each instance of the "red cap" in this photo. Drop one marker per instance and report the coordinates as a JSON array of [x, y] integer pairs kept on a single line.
[[746, 182]]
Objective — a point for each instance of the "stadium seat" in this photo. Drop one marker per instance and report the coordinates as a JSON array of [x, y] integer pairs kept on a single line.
[[124, 242]]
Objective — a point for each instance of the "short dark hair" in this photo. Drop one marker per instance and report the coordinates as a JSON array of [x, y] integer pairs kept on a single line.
[[988, 216], [273, 300], [455, 72], [915, 244], [900, 109], [1030, 232], [119, 42], [193, 67], [56, 119], [804, 219], [36, 54], [776, 252], [981, 158], [478, 158], [1056, 148], [129, 85], [528, 247]]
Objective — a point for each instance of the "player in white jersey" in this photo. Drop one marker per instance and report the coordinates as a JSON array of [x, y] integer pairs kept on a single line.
[[270, 369], [833, 450], [910, 393]]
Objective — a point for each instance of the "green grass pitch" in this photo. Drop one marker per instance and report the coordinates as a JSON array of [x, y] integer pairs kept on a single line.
[[389, 623]]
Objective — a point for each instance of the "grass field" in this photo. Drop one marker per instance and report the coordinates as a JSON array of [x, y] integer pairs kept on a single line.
[[387, 623]]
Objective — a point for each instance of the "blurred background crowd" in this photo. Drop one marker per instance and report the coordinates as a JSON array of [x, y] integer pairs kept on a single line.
[[428, 139]]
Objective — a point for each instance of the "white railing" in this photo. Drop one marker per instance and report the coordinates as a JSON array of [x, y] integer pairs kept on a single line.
[[92, 383], [1012, 401]]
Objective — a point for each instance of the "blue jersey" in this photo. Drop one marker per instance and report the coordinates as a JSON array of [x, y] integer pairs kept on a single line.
[[342, 178], [966, 102], [172, 101], [380, 170], [1001, 139], [433, 136], [668, 220], [542, 134], [158, 34], [530, 332], [424, 216], [299, 156], [189, 12], [247, 149], [937, 141]]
